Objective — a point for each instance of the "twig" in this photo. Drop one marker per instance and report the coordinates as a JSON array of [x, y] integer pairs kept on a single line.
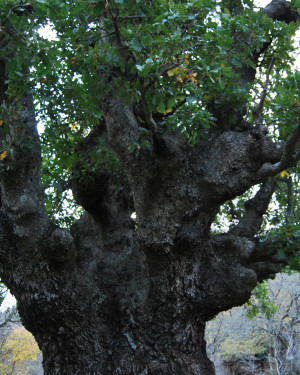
[[257, 110], [120, 19], [13, 8], [290, 196], [120, 40]]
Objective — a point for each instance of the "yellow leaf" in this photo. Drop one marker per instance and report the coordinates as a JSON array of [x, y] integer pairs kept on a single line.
[[222, 65], [1, 122], [173, 72], [192, 77], [284, 173], [3, 155], [168, 111], [75, 125]]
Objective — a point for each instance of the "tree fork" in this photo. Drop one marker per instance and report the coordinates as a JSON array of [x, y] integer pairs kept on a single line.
[[110, 296]]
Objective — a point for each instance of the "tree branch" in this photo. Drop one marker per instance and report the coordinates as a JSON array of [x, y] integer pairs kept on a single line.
[[290, 196], [289, 158], [22, 193], [122, 127], [256, 207], [124, 46], [281, 10], [277, 10], [257, 110], [120, 40], [13, 9]]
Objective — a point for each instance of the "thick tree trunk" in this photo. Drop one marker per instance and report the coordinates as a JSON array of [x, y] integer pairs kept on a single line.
[[151, 319], [113, 296], [133, 311], [125, 344]]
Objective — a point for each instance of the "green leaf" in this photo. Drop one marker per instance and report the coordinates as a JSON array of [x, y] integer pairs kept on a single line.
[[221, 83], [161, 107], [191, 99], [136, 45]]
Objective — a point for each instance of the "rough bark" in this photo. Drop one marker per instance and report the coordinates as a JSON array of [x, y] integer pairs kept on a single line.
[[108, 297]]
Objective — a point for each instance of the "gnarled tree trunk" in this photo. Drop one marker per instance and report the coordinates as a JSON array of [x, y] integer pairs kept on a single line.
[[114, 296]]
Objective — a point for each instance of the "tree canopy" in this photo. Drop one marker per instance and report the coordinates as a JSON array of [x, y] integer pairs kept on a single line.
[[180, 62]]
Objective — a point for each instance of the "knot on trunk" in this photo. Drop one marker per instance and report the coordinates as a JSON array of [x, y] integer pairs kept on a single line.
[[61, 246]]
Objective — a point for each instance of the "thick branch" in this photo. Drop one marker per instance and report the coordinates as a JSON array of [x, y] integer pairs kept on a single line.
[[102, 193], [25, 228], [122, 127], [256, 207], [281, 10], [22, 192], [290, 157]]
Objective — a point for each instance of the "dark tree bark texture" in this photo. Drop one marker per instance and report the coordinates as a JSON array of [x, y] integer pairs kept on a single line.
[[110, 298]]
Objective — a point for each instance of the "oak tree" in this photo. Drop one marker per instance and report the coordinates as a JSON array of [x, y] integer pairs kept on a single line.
[[176, 111]]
